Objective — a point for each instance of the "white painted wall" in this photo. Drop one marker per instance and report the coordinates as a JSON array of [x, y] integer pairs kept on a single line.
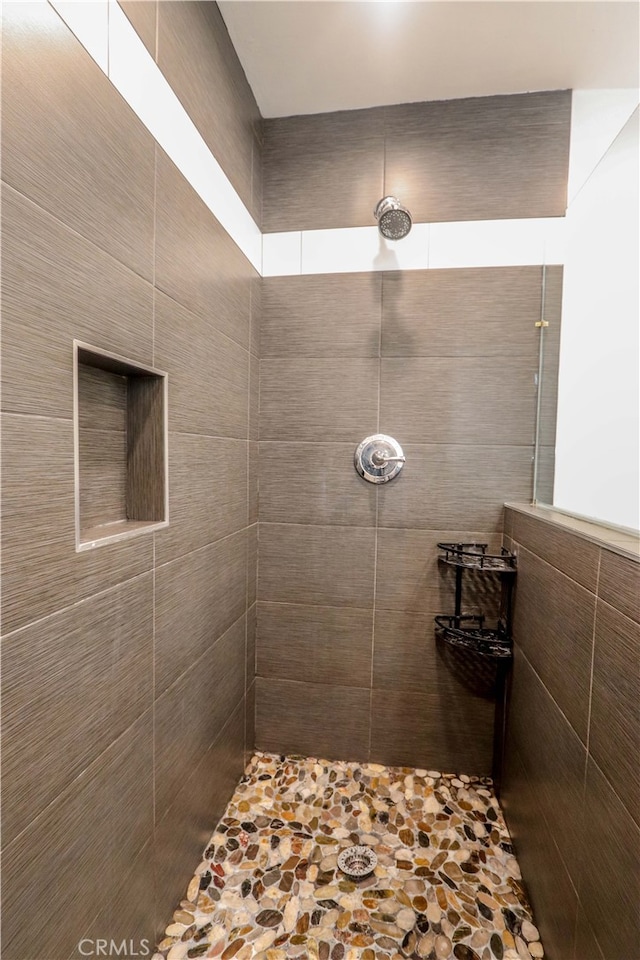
[[598, 430]]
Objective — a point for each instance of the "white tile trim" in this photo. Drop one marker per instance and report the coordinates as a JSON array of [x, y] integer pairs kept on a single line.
[[282, 254], [106, 33]]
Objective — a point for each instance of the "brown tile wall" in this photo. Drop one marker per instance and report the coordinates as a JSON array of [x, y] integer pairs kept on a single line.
[[102, 446], [444, 360], [571, 789], [482, 158], [127, 671]]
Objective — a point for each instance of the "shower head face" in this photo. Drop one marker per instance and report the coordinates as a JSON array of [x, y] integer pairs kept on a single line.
[[394, 220]]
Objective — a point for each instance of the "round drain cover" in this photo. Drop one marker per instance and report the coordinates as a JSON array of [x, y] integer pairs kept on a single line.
[[357, 862]]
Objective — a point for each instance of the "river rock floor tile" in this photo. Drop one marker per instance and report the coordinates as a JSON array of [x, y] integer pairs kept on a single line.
[[446, 887]]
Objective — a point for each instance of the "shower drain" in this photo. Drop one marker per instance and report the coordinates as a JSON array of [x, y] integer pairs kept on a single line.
[[357, 862]]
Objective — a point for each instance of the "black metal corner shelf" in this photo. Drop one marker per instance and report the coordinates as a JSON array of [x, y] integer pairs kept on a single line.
[[468, 633], [474, 556]]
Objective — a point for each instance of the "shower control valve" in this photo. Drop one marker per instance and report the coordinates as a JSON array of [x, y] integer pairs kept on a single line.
[[379, 458]]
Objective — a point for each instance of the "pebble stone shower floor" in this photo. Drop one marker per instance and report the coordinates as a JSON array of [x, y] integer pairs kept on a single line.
[[447, 884]]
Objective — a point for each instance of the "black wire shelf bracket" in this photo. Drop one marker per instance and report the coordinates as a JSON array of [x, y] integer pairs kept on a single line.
[[470, 636], [468, 631], [474, 556]]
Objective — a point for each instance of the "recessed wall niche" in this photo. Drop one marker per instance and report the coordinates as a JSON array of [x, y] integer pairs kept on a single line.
[[120, 440]]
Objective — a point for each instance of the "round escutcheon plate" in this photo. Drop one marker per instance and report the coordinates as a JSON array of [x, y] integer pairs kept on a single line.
[[379, 458]]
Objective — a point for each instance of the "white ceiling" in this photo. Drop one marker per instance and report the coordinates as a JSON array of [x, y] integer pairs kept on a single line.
[[310, 56]]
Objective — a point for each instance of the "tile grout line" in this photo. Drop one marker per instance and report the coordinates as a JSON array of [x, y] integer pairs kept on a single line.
[[153, 256], [122, 264], [593, 655], [200, 656], [153, 687], [532, 793], [373, 629], [375, 544], [77, 777], [77, 603], [553, 700], [588, 738], [248, 514]]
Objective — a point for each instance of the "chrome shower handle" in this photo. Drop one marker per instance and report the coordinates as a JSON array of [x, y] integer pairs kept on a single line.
[[379, 458]]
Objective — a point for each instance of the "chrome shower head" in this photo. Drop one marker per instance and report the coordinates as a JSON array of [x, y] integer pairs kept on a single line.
[[394, 220]]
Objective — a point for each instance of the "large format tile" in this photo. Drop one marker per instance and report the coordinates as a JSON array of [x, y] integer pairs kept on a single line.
[[609, 873], [207, 493], [129, 914], [99, 652], [57, 286], [458, 400], [208, 372], [181, 835], [102, 476], [257, 285], [432, 729], [254, 398], [78, 838], [102, 400], [568, 552], [257, 176], [41, 570], [55, 98], [619, 583], [481, 158], [196, 56], [322, 171], [102, 446], [315, 643], [321, 316], [197, 263], [251, 647], [249, 722], [410, 579], [550, 366], [553, 756], [444, 485], [465, 313], [314, 483], [556, 635], [312, 564], [252, 564], [586, 945], [253, 462], [198, 597], [328, 399], [313, 719], [614, 729], [132, 791], [407, 658], [551, 888], [191, 714]]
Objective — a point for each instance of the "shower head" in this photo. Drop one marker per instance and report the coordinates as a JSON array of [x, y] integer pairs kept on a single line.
[[394, 220]]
